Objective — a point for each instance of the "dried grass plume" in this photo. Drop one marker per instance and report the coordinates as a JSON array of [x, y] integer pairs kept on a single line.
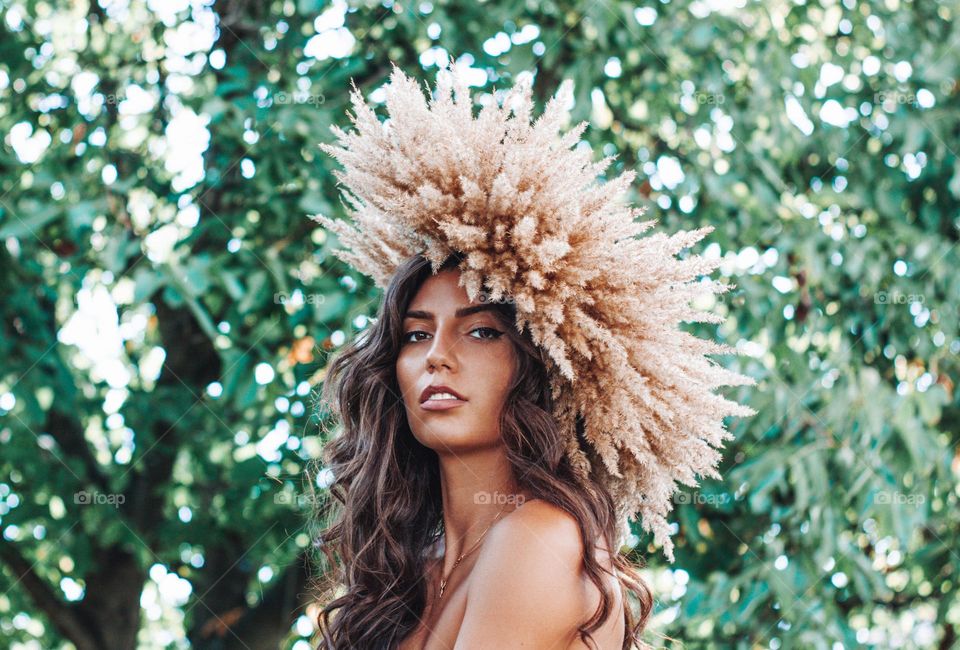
[[602, 298]]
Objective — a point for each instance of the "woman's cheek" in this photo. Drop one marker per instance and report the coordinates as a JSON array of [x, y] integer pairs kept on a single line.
[[406, 381], [499, 373]]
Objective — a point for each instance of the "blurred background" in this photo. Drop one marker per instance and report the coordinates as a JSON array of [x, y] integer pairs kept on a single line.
[[169, 309]]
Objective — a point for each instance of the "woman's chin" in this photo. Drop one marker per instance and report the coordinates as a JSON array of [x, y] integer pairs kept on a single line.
[[445, 441]]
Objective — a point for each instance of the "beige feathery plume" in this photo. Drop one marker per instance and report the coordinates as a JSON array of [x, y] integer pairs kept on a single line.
[[537, 227]]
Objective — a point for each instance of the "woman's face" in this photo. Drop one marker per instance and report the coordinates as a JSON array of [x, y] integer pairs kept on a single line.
[[449, 341]]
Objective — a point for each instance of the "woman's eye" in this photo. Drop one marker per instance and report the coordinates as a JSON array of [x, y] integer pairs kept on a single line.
[[407, 339], [486, 333], [491, 333]]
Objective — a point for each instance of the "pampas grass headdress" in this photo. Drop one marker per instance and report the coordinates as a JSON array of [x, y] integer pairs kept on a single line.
[[537, 228]]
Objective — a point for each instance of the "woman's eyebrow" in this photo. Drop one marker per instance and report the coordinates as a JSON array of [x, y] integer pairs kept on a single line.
[[460, 313]]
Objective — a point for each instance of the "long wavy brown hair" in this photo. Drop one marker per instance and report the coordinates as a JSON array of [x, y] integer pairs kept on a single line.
[[382, 510]]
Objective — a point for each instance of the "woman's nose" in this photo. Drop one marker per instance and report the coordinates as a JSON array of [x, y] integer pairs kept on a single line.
[[441, 352]]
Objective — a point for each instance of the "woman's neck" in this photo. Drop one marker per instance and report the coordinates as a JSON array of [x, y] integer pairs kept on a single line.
[[475, 489]]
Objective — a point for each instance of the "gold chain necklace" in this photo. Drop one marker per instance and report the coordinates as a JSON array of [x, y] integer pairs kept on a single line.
[[443, 581]]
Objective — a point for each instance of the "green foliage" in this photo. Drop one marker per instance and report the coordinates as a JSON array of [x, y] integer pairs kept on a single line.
[[168, 309]]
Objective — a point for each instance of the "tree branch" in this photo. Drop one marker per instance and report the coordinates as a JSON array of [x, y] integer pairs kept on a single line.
[[64, 616], [265, 625]]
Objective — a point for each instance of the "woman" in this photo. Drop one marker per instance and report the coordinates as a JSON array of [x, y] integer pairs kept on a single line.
[[473, 442], [524, 391]]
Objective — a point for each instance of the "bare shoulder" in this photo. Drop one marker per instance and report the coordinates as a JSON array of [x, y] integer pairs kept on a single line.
[[526, 588], [541, 527]]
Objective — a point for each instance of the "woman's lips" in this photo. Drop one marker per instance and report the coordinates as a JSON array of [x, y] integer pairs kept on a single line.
[[441, 404]]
